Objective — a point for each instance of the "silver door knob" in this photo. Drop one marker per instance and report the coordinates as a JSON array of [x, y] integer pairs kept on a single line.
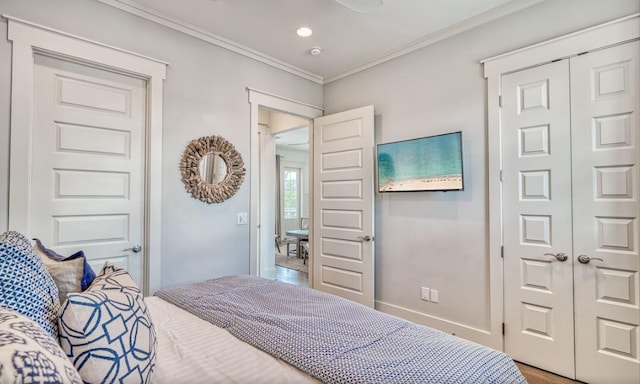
[[135, 249], [560, 256], [365, 238], [584, 259]]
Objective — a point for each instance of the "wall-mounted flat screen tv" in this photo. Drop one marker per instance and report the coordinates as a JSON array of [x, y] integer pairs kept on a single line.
[[431, 163]]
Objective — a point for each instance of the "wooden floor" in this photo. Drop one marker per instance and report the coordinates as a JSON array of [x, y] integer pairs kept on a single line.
[[538, 376], [291, 276], [533, 375]]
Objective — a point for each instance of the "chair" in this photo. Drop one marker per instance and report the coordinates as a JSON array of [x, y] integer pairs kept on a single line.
[[304, 224], [291, 241], [305, 251]]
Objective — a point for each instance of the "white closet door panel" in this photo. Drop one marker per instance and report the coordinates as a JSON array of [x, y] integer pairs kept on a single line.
[[606, 173], [537, 217], [88, 164]]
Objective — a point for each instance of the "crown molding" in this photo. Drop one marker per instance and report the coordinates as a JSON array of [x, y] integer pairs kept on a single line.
[[199, 33], [462, 26], [132, 7]]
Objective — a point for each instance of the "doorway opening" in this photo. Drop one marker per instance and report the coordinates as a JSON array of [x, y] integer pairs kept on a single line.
[[285, 185], [261, 221]]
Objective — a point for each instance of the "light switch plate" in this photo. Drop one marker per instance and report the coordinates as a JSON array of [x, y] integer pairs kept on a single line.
[[242, 218]]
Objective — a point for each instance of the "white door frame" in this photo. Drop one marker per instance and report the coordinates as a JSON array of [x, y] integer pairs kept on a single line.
[[29, 38], [257, 99], [597, 37]]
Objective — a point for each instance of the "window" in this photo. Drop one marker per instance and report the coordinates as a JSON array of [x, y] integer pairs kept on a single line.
[[291, 193]]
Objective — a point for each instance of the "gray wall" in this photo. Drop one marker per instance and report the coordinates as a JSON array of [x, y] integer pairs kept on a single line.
[[436, 239], [204, 94]]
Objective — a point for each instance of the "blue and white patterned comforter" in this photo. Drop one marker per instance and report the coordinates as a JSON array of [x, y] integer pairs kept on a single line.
[[336, 340]]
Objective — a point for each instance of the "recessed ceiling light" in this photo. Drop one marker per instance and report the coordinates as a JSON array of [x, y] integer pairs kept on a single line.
[[304, 32], [315, 51]]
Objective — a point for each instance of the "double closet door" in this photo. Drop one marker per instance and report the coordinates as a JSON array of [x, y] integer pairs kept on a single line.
[[570, 211]]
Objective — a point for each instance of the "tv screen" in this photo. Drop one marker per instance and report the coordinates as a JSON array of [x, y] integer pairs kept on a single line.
[[431, 163]]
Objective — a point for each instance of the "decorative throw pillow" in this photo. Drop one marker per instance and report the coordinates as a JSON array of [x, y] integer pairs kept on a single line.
[[50, 255], [67, 276], [107, 332], [28, 354], [25, 284]]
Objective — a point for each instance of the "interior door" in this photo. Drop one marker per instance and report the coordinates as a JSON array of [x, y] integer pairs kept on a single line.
[[606, 173], [343, 197], [538, 278], [87, 170]]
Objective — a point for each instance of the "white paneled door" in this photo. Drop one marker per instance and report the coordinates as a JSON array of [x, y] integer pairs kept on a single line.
[[88, 163], [570, 210], [343, 196], [606, 173], [537, 217]]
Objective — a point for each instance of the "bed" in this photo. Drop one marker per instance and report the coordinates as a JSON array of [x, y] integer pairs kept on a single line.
[[61, 323], [325, 337]]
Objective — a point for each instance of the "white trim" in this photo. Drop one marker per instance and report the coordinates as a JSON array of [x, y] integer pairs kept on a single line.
[[494, 234], [28, 38], [259, 99], [284, 98], [199, 33], [462, 26], [58, 32], [466, 332], [603, 35], [598, 37]]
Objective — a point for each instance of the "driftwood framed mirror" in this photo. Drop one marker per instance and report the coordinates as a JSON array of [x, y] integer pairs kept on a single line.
[[211, 169]]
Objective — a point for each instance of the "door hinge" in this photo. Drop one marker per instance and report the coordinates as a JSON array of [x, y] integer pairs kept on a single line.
[[501, 175], [500, 101], [502, 251], [502, 329]]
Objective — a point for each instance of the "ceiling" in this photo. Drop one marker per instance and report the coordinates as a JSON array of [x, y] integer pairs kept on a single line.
[[350, 41], [297, 139]]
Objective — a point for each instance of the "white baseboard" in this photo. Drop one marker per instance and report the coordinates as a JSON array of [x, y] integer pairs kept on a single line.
[[479, 336]]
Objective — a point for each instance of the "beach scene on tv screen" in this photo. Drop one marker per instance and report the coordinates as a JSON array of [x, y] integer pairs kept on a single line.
[[430, 163]]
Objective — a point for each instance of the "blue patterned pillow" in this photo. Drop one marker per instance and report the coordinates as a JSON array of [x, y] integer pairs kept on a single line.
[[28, 354], [25, 284], [87, 275], [107, 332]]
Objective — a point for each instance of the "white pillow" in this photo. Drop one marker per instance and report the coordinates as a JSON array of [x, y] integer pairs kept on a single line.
[[28, 354], [107, 332], [66, 274]]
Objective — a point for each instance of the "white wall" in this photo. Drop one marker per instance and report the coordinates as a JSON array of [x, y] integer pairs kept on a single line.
[[204, 94], [437, 239]]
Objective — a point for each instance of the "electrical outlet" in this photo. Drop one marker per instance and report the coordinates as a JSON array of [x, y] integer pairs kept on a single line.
[[424, 293], [434, 296], [242, 218]]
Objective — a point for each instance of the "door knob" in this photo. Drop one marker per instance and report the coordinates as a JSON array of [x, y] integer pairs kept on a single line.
[[365, 238], [560, 256], [134, 249], [584, 259]]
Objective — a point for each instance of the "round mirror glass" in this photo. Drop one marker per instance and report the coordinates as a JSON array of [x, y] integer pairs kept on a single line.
[[213, 168]]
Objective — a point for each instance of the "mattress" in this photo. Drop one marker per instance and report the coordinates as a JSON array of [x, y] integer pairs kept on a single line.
[[192, 350]]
